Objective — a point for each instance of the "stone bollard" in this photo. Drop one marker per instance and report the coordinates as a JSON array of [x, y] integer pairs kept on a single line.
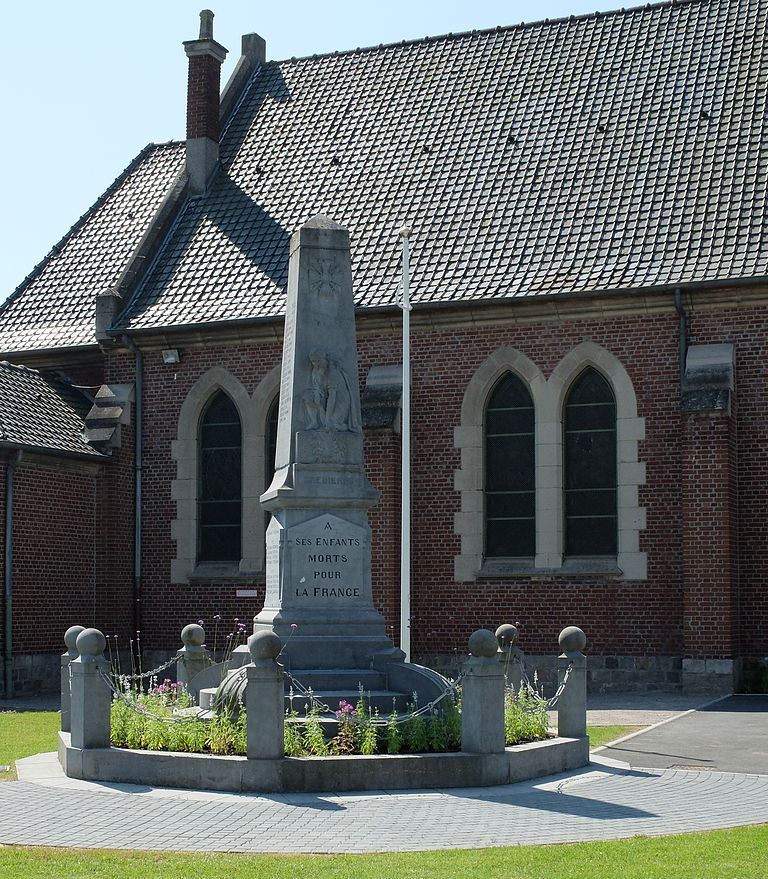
[[70, 638], [192, 657], [91, 694], [572, 703], [482, 697], [510, 655], [264, 699]]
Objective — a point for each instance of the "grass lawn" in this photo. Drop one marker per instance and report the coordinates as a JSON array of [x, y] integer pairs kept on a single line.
[[602, 735], [728, 854], [740, 853], [23, 734]]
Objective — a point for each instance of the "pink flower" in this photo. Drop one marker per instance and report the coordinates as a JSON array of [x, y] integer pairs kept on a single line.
[[346, 711]]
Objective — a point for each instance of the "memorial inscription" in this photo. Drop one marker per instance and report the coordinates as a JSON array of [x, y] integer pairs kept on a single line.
[[328, 555]]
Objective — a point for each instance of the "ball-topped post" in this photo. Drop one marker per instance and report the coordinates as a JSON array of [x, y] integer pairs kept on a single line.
[[483, 643], [572, 640], [70, 641], [572, 702], [507, 635], [193, 657], [91, 691], [264, 697], [482, 696], [193, 635], [264, 646], [90, 644], [510, 655], [70, 638]]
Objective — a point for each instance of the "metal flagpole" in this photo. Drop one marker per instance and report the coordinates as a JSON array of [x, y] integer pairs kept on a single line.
[[405, 522]]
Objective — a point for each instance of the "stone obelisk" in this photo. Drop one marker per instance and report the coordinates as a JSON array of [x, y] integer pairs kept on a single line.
[[318, 567]]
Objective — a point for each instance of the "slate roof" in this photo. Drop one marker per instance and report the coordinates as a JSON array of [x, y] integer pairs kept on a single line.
[[41, 413], [55, 305], [617, 150]]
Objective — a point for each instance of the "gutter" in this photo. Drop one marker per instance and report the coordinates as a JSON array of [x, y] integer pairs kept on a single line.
[[8, 599], [55, 453], [139, 395]]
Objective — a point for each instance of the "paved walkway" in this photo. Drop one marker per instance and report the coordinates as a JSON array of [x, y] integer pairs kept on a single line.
[[608, 800], [603, 801], [730, 735]]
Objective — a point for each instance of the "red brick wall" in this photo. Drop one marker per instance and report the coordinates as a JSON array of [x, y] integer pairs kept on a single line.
[[710, 580], [203, 81], [624, 618], [54, 555], [72, 560]]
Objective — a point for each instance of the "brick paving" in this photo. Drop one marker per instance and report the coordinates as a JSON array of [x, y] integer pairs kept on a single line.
[[604, 801]]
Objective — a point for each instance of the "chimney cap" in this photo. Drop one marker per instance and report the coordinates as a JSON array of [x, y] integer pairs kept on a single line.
[[205, 43], [206, 24]]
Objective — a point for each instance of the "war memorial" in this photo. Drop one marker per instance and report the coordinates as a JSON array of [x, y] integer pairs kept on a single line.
[[319, 633]]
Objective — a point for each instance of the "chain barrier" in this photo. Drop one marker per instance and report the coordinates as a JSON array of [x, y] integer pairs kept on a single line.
[[147, 674], [136, 706], [525, 681], [559, 692], [307, 693]]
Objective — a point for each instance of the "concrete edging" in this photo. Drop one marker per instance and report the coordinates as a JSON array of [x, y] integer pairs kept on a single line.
[[299, 774]]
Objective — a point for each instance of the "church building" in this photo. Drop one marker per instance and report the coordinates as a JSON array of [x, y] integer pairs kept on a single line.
[[589, 338]]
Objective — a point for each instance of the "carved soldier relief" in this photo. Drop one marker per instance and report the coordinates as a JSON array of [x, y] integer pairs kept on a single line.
[[327, 402]]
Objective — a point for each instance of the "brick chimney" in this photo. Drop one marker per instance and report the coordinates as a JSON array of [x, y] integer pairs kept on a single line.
[[203, 86]]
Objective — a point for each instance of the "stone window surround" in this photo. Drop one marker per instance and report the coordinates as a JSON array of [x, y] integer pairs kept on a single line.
[[253, 411], [548, 398]]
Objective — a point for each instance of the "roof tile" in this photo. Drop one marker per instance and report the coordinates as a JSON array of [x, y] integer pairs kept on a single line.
[[42, 413], [610, 151], [55, 306]]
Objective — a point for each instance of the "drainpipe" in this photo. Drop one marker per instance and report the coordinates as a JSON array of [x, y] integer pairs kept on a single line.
[[682, 334], [139, 388], [8, 609]]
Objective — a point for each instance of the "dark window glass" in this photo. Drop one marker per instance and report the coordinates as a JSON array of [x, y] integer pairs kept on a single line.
[[219, 482], [590, 467], [510, 522]]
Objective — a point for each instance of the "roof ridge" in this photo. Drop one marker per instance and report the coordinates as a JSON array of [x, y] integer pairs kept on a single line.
[[80, 222], [522, 25], [20, 367]]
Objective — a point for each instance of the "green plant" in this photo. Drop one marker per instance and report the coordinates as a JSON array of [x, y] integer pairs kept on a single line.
[[437, 732], [369, 736], [415, 735], [313, 739], [292, 736], [525, 717], [394, 735]]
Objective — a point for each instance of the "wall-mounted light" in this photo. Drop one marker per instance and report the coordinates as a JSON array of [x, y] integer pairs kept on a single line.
[[171, 355]]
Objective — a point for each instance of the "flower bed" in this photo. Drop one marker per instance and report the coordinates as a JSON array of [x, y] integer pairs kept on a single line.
[[151, 721]]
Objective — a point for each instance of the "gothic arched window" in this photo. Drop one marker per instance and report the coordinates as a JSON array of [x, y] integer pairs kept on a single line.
[[510, 490], [590, 467], [219, 494]]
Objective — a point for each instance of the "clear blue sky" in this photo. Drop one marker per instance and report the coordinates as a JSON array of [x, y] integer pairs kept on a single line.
[[86, 85]]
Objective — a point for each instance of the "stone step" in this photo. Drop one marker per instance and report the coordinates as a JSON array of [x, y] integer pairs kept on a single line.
[[381, 699], [205, 700], [339, 678]]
